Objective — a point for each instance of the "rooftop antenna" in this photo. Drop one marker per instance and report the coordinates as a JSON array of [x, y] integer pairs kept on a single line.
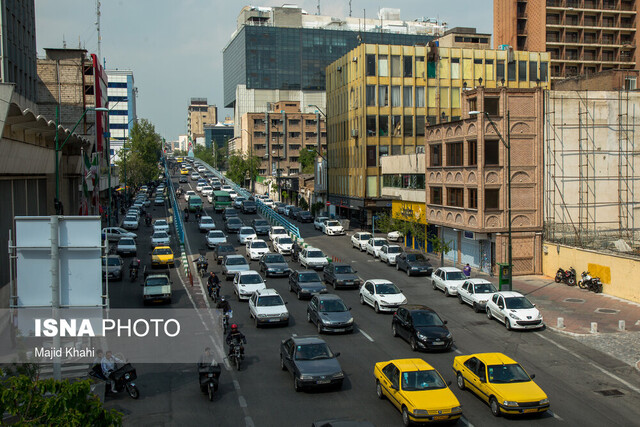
[[349, 8], [318, 8], [98, 27], [64, 42]]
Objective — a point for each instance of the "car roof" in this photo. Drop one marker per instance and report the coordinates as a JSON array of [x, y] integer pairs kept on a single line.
[[245, 273], [450, 269], [235, 256], [508, 294], [277, 227], [325, 297], [262, 292], [411, 364], [162, 247], [417, 307], [477, 280], [398, 246], [379, 281], [493, 358], [308, 340], [205, 216], [258, 240], [338, 264]]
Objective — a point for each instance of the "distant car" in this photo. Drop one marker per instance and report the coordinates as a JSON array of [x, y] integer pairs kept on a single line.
[[232, 194], [229, 213], [261, 226], [188, 195], [221, 250], [270, 203], [274, 265], [319, 222], [421, 327], [245, 283], [214, 238], [448, 279], [305, 283], [112, 267], [183, 179], [237, 202], [514, 310], [161, 256], [311, 362], [207, 190], [249, 207], [341, 275], [279, 207], [130, 222], [195, 176], [201, 184], [382, 295], [246, 234], [329, 313], [332, 227], [206, 224], [256, 248], [267, 307], [116, 233], [293, 211], [157, 288], [304, 216], [360, 239], [160, 238], [374, 245], [159, 201], [287, 209], [160, 225], [233, 225], [389, 253], [311, 257], [476, 293], [277, 231], [283, 245], [413, 264], [232, 264], [395, 236]]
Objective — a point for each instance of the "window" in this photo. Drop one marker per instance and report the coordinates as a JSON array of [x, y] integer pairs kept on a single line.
[[384, 150], [407, 96], [500, 71], [408, 126], [371, 156], [371, 65], [435, 155], [383, 125], [420, 67], [488, 65], [371, 96], [294, 122], [491, 198], [455, 68], [454, 154], [396, 70], [395, 96], [408, 66], [435, 195], [420, 96], [492, 106], [371, 125], [383, 96], [396, 126], [511, 71], [455, 197], [455, 98], [491, 153], [472, 152], [543, 71], [473, 104], [383, 66], [473, 198], [522, 71], [533, 71], [420, 125]]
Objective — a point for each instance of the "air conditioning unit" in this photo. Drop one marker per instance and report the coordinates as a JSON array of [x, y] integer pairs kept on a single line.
[[354, 133]]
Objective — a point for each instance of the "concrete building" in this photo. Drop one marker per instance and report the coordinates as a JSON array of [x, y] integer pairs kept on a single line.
[[582, 36], [467, 180], [604, 80], [183, 143], [200, 113], [380, 97], [466, 38], [215, 136], [122, 108]]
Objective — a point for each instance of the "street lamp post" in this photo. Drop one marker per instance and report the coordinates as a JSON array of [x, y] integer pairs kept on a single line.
[[253, 189], [507, 145], [326, 159]]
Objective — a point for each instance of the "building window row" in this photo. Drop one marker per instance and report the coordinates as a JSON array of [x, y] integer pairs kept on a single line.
[[395, 125], [455, 197], [407, 181], [117, 84], [455, 154], [117, 98]]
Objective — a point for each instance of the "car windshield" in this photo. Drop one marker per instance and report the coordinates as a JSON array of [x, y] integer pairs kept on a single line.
[[511, 373], [387, 289], [344, 269], [162, 251], [127, 242], [111, 261], [484, 288], [258, 245], [422, 380], [310, 276], [160, 235], [131, 219], [379, 242], [247, 230], [313, 352], [214, 234], [365, 236], [234, 221], [236, 261], [285, 241], [250, 279], [305, 213], [223, 199], [315, 254], [225, 248], [206, 221], [333, 224], [270, 301], [278, 231], [394, 250], [416, 257], [515, 303], [249, 204], [161, 222], [332, 306], [274, 258], [456, 275], [261, 223], [156, 281], [425, 318]]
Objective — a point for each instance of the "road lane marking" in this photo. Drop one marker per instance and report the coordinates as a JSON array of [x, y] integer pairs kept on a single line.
[[631, 386], [236, 384], [556, 416], [248, 422], [242, 401], [559, 345], [457, 351], [465, 421], [367, 336]]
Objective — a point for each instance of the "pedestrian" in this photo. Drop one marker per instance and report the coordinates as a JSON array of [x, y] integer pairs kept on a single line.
[[467, 270]]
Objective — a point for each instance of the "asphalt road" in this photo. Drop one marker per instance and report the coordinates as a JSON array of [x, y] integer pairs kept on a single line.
[[261, 394]]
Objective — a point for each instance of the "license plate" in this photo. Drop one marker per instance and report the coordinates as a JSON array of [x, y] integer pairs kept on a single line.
[[441, 417], [530, 410], [273, 320], [323, 382], [339, 330], [438, 343], [348, 283]]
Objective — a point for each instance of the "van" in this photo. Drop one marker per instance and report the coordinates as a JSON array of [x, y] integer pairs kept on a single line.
[[195, 203]]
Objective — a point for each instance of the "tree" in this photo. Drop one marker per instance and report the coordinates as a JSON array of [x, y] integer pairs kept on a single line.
[[439, 246], [241, 165], [204, 154], [141, 160], [409, 224], [307, 160]]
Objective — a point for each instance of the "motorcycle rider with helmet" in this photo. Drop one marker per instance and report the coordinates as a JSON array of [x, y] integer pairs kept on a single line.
[[233, 336]]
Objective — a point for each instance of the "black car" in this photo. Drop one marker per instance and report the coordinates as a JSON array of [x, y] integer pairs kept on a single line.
[[413, 263], [233, 225], [341, 275], [183, 179], [249, 207], [330, 314], [222, 250], [304, 216], [293, 212], [421, 327], [274, 265], [279, 207], [229, 213], [261, 226], [305, 283], [311, 362]]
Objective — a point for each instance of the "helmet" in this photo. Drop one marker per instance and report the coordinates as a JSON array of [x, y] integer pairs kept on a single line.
[[234, 327]]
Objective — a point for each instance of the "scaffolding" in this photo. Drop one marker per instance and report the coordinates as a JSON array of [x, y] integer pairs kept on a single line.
[[590, 179]]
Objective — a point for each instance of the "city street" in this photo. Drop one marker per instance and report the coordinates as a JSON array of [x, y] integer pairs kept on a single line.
[[576, 378]]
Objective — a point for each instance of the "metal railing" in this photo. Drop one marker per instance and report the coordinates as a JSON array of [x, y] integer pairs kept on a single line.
[[177, 217]]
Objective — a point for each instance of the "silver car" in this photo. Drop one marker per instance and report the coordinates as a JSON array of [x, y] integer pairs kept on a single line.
[[215, 237], [130, 223], [126, 246], [160, 238], [232, 264]]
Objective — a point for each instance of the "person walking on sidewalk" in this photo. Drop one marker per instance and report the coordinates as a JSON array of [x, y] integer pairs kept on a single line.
[[467, 270]]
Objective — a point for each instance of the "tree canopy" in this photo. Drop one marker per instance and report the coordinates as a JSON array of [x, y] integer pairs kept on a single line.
[[307, 160], [140, 160]]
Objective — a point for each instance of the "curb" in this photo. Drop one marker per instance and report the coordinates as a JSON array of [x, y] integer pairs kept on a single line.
[[571, 334], [638, 365]]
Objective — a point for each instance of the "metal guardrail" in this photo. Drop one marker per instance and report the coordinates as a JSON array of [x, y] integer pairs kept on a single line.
[[177, 217]]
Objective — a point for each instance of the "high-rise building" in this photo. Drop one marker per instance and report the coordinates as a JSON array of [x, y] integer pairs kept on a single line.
[[199, 113], [122, 108], [582, 36]]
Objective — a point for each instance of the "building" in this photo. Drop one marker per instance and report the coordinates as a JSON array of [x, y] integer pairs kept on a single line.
[[380, 98], [467, 190], [582, 36], [122, 108], [216, 136], [605, 80], [280, 53], [199, 113], [464, 37]]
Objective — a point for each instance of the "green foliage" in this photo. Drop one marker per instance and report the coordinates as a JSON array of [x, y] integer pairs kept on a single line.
[[307, 160], [407, 226], [239, 165], [141, 160], [304, 205], [222, 156], [316, 207], [439, 245], [51, 402], [204, 154]]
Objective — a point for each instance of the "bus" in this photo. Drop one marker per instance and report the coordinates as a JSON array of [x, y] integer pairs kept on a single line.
[[195, 203], [221, 200]]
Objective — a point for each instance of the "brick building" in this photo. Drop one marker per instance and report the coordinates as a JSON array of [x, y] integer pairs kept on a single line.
[[200, 113], [467, 183]]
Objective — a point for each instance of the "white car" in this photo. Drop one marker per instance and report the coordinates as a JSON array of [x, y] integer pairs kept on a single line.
[[256, 248], [514, 310], [117, 233], [207, 190], [332, 228], [388, 253], [126, 246], [319, 222], [200, 185], [160, 225], [210, 198], [448, 279], [246, 234], [283, 245], [215, 237], [311, 257], [226, 188], [382, 295], [130, 222], [360, 239], [374, 245], [267, 307], [160, 238], [245, 283], [206, 224], [476, 293], [395, 236], [270, 203], [188, 194], [277, 231], [232, 194], [195, 176]]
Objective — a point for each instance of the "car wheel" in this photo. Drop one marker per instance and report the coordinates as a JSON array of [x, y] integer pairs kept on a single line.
[[379, 390], [299, 295], [290, 287], [406, 421], [495, 409], [308, 317], [446, 292], [319, 326], [476, 308], [489, 315], [361, 299], [296, 385], [460, 299], [394, 331], [460, 381], [507, 324], [255, 322], [433, 283], [397, 267], [408, 272], [413, 343], [284, 368], [377, 308]]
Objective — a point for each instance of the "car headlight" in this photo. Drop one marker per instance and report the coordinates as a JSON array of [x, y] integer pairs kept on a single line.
[[544, 402], [262, 316], [456, 409], [350, 321], [127, 376], [306, 377], [539, 316], [509, 403], [420, 412], [404, 301], [421, 336], [448, 336], [284, 315], [338, 375], [513, 316]]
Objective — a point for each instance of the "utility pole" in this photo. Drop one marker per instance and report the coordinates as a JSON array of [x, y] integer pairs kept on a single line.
[[98, 27], [55, 289]]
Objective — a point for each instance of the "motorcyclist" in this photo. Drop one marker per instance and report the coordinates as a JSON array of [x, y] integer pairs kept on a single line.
[[234, 336], [205, 359], [213, 285], [147, 219], [295, 250], [134, 266], [202, 264], [109, 365]]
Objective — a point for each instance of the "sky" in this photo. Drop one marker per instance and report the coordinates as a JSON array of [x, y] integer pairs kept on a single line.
[[174, 48]]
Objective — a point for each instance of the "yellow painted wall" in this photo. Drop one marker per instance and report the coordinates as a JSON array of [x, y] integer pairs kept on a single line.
[[618, 274], [401, 209]]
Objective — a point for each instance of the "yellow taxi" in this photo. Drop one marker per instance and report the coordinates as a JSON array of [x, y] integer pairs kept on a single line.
[[162, 255], [184, 172], [501, 382], [417, 390]]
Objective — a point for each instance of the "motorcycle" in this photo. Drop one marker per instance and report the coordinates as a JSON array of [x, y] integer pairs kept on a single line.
[[225, 322], [147, 220], [124, 378], [202, 268], [566, 276], [209, 378], [133, 274], [591, 283], [559, 275], [236, 353]]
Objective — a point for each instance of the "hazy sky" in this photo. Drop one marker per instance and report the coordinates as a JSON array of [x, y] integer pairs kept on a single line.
[[174, 48]]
